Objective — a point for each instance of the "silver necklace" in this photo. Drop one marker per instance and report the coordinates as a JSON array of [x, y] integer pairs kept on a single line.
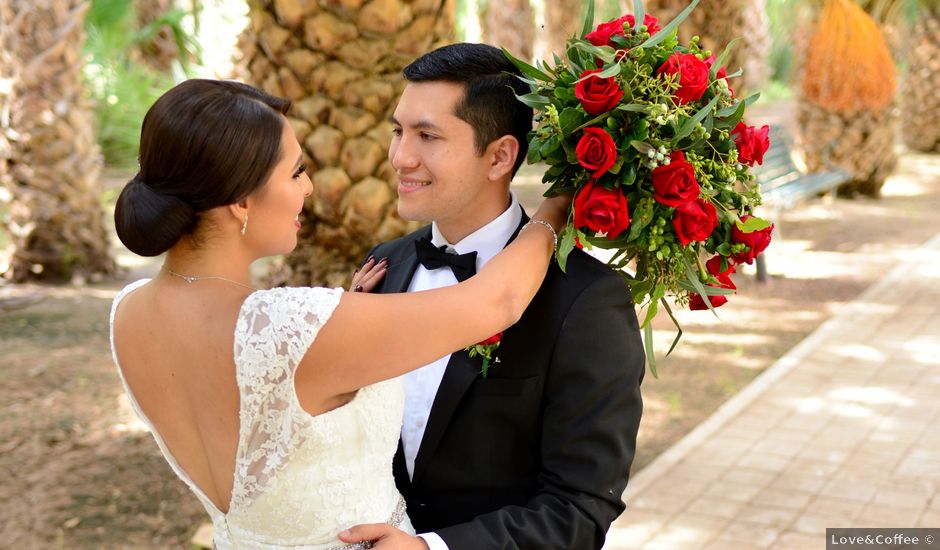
[[193, 278]]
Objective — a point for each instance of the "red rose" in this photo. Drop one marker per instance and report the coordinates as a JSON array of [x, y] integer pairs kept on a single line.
[[713, 265], [757, 241], [494, 339], [693, 75], [652, 24], [675, 183], [597, 95], [596, 151], [696, 302], [601, 210], [720, 73], [601, 35], [694, 221], [752, 143]]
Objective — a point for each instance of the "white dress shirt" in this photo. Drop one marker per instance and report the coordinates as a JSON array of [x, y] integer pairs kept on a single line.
[[421, 385]]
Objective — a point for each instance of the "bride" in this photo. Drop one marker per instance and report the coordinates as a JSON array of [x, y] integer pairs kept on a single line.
[[279, 408]]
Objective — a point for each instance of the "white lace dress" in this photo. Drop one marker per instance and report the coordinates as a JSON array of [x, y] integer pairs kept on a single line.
[[299, 479]]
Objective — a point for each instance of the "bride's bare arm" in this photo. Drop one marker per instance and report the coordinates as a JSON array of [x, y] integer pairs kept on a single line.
[[376, 337]]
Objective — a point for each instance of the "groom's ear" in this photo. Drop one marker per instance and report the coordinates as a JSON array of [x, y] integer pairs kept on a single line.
[[502, 153]]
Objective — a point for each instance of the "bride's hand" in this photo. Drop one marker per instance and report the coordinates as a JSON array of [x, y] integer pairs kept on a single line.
[[369, 275], [383, 536], [554, 210]]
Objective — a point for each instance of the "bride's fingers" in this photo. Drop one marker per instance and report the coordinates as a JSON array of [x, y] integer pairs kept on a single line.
[[362, 272], [368, 277], [373, 277]]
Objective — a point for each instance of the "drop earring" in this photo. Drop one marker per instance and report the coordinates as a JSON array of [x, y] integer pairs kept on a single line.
[[245, 226]]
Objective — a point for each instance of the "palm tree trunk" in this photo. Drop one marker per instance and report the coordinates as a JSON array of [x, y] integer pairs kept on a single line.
[[54, 219], [717, 23], [562, 20], [341, 65], [510, 24], [160, 51], [921, 102]]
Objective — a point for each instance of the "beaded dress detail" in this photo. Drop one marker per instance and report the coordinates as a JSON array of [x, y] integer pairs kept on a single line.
[[299, 479]]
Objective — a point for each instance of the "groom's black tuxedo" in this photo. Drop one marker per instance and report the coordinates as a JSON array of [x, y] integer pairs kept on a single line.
[[537, 454]]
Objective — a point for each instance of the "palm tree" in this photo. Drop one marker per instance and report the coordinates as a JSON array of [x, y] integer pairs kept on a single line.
[[159, 46], [340, 62], [562, 20], [54, 219], [920, 100], [845, 112], [510, 24], [717, 23]]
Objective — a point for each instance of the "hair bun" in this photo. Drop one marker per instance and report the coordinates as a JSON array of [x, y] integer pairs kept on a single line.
[[149, 222]]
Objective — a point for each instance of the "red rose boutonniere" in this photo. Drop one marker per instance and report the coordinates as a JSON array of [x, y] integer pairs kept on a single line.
[[485, 349]]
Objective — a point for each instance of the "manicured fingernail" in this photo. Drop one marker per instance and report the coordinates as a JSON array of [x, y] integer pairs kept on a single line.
[[344, 533], [385, 259], [370, 258]]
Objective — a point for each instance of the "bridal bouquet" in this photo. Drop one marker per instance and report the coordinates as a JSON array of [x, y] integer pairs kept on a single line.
[[648, 135]]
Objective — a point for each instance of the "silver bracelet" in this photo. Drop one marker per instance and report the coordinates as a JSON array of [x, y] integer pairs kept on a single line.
[[548, 226]]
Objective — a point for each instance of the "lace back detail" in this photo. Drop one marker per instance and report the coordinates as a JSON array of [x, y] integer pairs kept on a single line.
[[274, 330], [299, 479]]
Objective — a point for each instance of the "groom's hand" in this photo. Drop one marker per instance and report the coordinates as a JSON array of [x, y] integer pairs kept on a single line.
[[383, 536]]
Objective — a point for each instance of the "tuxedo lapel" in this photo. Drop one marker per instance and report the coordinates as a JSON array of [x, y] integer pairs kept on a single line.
[[400, 470], [461, 372], [401, 271]]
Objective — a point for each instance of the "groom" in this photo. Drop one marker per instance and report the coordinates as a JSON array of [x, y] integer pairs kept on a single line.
[[536, 455]]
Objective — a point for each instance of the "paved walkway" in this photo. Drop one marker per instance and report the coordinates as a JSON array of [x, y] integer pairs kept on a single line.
[[843, 431]]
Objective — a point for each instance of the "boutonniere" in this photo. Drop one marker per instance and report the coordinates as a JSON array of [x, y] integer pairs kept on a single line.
[[485, 349]]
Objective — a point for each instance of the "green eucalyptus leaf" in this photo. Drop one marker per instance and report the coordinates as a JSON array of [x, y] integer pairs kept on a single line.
[[588, 25], [708, 290], [639, 14], [643, 147], [633, 107], [629, 174], [670, 28], [611, 71], [721, 59], [566, 246], [564, 93], [550, 145], [536, 101], [526, 69], [732, 110], [675, 322], [651, 312], [569, 119], [642, 216], [753, 224], [689, 124], [606, 53], [648, 344]]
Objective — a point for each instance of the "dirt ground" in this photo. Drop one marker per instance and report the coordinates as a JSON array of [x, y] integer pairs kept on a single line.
[[78, 471]]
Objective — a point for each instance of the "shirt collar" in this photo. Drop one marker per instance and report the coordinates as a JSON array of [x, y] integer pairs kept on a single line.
[[489, 239]]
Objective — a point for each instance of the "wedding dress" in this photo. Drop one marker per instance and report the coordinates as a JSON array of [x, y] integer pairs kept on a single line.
[[299, 479]]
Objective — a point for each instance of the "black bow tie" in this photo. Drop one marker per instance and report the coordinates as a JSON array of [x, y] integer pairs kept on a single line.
[[464, 266]]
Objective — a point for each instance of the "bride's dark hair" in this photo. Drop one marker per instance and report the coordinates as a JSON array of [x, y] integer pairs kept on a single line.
[[203, 144]]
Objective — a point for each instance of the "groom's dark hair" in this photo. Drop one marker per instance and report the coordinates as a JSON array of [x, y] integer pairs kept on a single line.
[[490, 87]]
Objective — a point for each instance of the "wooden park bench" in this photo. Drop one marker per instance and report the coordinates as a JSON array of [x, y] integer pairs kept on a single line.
[[783, 185]]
